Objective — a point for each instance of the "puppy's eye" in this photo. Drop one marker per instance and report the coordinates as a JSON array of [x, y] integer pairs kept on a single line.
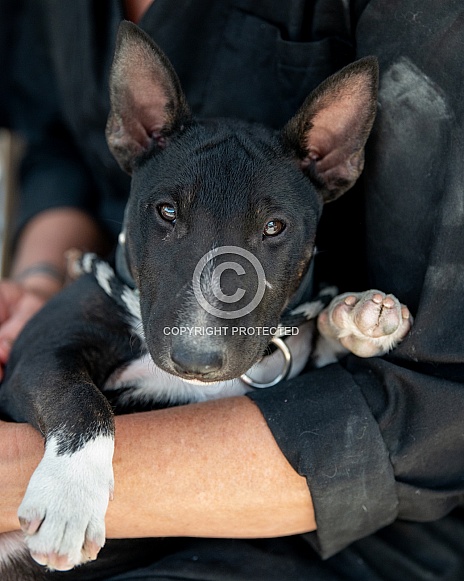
[[167, 212], [273, 228]]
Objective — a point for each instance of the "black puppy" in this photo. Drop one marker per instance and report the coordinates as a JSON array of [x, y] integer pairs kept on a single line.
[[202, 192]]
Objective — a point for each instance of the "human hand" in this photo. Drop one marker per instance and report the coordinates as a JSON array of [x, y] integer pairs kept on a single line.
[[39, 266], [18, 303]]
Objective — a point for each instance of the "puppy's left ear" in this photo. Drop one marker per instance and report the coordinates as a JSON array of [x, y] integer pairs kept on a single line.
[[147, 102], [329, 132]]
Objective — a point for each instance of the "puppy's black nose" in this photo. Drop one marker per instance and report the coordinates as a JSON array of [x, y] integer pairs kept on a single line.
[[193, 363]]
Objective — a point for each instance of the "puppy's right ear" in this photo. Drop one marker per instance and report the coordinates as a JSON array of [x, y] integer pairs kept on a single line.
[[147, 102]]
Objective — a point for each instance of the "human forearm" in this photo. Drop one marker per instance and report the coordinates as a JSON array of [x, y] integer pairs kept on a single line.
[[21, 449], [47, 237], [209, 469]]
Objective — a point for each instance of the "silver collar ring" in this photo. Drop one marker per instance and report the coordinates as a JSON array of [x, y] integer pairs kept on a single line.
[[280, 344]]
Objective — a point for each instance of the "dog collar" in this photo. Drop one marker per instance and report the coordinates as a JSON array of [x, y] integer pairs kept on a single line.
[[292, 317], [120, 286]]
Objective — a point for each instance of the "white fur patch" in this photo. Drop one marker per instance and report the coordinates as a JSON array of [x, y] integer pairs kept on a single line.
[[70, 493], [327, 350], [87, 260], [151, 384], [132, 301], [310, 310], [104, 273]]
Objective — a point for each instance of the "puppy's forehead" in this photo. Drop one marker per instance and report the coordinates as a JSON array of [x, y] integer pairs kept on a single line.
[[224, 158], [235, 137], [215, 148]]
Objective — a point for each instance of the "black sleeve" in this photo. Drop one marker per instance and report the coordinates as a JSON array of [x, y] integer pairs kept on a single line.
[[10, 21], [53, 176], [383, 439], [325, 428], [375, 441], [52, 173]]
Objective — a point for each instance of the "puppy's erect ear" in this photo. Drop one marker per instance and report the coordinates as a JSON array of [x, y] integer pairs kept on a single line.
[[329, 132], [147, 102]]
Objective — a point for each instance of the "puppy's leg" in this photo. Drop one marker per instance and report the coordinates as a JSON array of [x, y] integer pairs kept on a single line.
[[63, 511], [368, 324], [52, 382]]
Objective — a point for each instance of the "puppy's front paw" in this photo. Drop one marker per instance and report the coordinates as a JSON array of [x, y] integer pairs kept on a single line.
[[367, 324], [63, 511]]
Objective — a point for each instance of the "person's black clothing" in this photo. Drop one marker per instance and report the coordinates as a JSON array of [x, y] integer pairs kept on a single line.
[[10, 17], [64, 59], [381, 441]]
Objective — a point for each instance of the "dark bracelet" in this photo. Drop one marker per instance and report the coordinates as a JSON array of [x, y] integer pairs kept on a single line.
[[41, 268]]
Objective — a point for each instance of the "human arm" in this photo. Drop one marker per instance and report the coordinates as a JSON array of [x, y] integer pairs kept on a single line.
[[214, 468], [210, 469], [407, 401], [43, 242]]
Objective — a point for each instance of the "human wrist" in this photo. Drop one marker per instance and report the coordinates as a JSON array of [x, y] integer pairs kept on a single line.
[[41, 278], [20, 452]]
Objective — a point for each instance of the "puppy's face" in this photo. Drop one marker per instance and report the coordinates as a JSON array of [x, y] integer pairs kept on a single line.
[[220, 229], [222, 216]]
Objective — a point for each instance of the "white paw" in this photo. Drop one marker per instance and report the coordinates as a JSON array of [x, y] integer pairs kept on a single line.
[[63, 511], [368, 324]]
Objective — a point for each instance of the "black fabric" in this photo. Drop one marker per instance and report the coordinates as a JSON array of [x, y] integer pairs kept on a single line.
[[413, 225], [380, 441], [10, 13], [434, 552], [63, 68]]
